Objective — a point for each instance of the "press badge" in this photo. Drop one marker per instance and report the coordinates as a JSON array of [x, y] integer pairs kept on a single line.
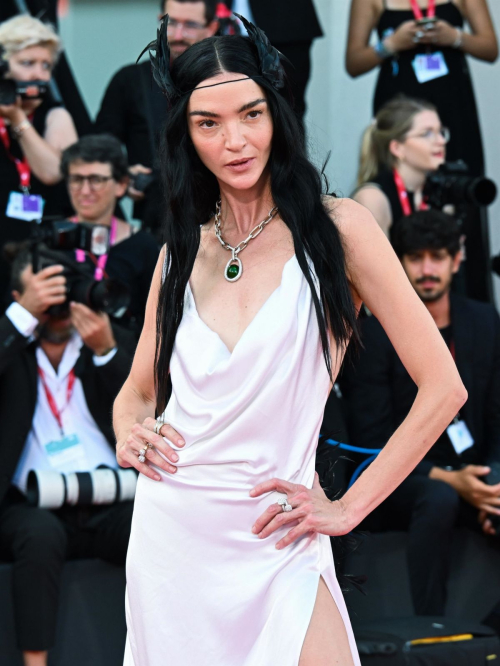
[[460, 436], [27, 207], [429, 66], [66, 454]]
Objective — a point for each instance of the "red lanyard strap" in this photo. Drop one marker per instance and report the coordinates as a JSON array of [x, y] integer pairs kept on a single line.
[[22, 166], [417, 12], [56, 413], [403, 194]]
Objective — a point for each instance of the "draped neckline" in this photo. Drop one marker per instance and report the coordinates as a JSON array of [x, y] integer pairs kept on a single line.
[[249, 326]]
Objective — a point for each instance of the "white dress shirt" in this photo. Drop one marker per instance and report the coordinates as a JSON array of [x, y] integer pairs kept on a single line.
[[93, 449]]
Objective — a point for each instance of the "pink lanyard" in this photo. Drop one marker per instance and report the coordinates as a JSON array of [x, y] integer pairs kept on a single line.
[[103, 259], [417, 12]]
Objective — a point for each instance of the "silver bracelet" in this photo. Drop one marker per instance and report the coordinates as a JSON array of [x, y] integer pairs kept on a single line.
[[459, 40], [20, 129], [382, 51]]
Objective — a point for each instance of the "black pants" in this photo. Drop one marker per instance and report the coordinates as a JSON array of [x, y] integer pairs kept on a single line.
[[429, 510], [38, 542]]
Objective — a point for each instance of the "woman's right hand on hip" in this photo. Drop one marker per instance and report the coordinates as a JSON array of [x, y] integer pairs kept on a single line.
[[128, 451]]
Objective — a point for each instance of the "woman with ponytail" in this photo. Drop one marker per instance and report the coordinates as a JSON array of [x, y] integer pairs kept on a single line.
[[252, 306], [399, 148]]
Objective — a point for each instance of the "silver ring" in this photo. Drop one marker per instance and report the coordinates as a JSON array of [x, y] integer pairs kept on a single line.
[[158, 425], [141, 458], [283, 502]]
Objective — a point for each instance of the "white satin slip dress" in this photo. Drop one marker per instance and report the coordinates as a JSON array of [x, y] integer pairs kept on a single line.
[[202, 589]]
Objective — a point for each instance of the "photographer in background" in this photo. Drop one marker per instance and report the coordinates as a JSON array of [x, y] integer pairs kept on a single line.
[[33, 132], [95, 171], [448, 488], [134, 110], [403, 144], [59, 376]]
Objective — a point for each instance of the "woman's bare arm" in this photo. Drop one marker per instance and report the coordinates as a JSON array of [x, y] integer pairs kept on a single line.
[[372, 197], [360, 57], [134, 407], [378, 280], [44, 152], [482, 41]]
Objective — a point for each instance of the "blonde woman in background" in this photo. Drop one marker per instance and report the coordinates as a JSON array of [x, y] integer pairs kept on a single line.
[[33, 132], [404, 142]]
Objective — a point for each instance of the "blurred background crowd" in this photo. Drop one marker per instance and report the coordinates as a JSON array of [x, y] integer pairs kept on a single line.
[[401, 96]]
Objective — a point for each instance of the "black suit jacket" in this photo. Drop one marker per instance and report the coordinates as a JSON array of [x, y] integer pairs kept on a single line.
[[19, 386], [286, 21], [379, 392]]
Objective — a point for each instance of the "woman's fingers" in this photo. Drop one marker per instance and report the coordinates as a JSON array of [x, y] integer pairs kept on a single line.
[[279, 485], [127, 456], [146, 435], [165, 431], [296, 532], [278, 520]]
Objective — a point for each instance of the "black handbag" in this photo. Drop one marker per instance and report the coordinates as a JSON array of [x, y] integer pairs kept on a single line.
[[426, 641]]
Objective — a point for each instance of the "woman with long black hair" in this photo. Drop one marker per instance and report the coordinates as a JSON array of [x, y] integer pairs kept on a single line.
[[252, 305]]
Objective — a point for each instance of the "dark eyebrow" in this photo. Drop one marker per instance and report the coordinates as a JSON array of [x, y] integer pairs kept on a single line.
[[250, 105], [245, 107]]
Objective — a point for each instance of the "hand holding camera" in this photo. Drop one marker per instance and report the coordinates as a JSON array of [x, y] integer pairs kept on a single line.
[[42, 290], [93, 327]]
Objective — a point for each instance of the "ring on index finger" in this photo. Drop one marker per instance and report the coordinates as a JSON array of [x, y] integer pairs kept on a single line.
[[285, 506]]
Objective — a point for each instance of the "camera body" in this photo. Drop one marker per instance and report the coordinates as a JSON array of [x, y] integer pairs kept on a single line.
[[143, 181], [55, 241], [453, 184], [10, 89]]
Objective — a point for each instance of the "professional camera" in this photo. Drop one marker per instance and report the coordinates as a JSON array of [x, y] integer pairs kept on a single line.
[[50, 489], [54, 242], [453, 184], [10, 89]]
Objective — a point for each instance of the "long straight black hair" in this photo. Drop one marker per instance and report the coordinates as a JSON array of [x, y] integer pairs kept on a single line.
[[192, 191]]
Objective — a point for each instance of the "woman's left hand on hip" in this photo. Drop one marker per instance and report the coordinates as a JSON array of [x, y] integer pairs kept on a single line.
[[311, 510]]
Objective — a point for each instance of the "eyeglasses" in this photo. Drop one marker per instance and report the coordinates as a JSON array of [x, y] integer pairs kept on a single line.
[[432, 135], [96, 181], [188, 28]]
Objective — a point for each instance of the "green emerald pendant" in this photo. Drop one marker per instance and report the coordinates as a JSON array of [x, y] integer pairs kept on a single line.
[[233, 269]]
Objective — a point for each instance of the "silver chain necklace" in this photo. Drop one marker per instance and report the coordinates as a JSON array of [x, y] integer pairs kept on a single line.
[[234, 267]]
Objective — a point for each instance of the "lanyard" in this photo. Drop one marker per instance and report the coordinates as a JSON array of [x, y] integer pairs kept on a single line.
[[57, 414], [22, 166], [103, 259], [417, 12], [403, 194]]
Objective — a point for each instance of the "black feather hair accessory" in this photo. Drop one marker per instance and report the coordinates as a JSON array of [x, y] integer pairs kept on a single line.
[[160, 62], [270, 58]]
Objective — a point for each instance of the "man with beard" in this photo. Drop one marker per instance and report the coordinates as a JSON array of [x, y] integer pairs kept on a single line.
[[447, 488], [133, 108], [59, 376]]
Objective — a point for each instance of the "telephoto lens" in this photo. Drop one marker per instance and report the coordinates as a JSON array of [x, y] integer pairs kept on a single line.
[[50, 489]]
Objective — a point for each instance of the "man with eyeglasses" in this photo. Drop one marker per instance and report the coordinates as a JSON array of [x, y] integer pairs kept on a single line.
[[133, 109], [95, 171], [449, 488]]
